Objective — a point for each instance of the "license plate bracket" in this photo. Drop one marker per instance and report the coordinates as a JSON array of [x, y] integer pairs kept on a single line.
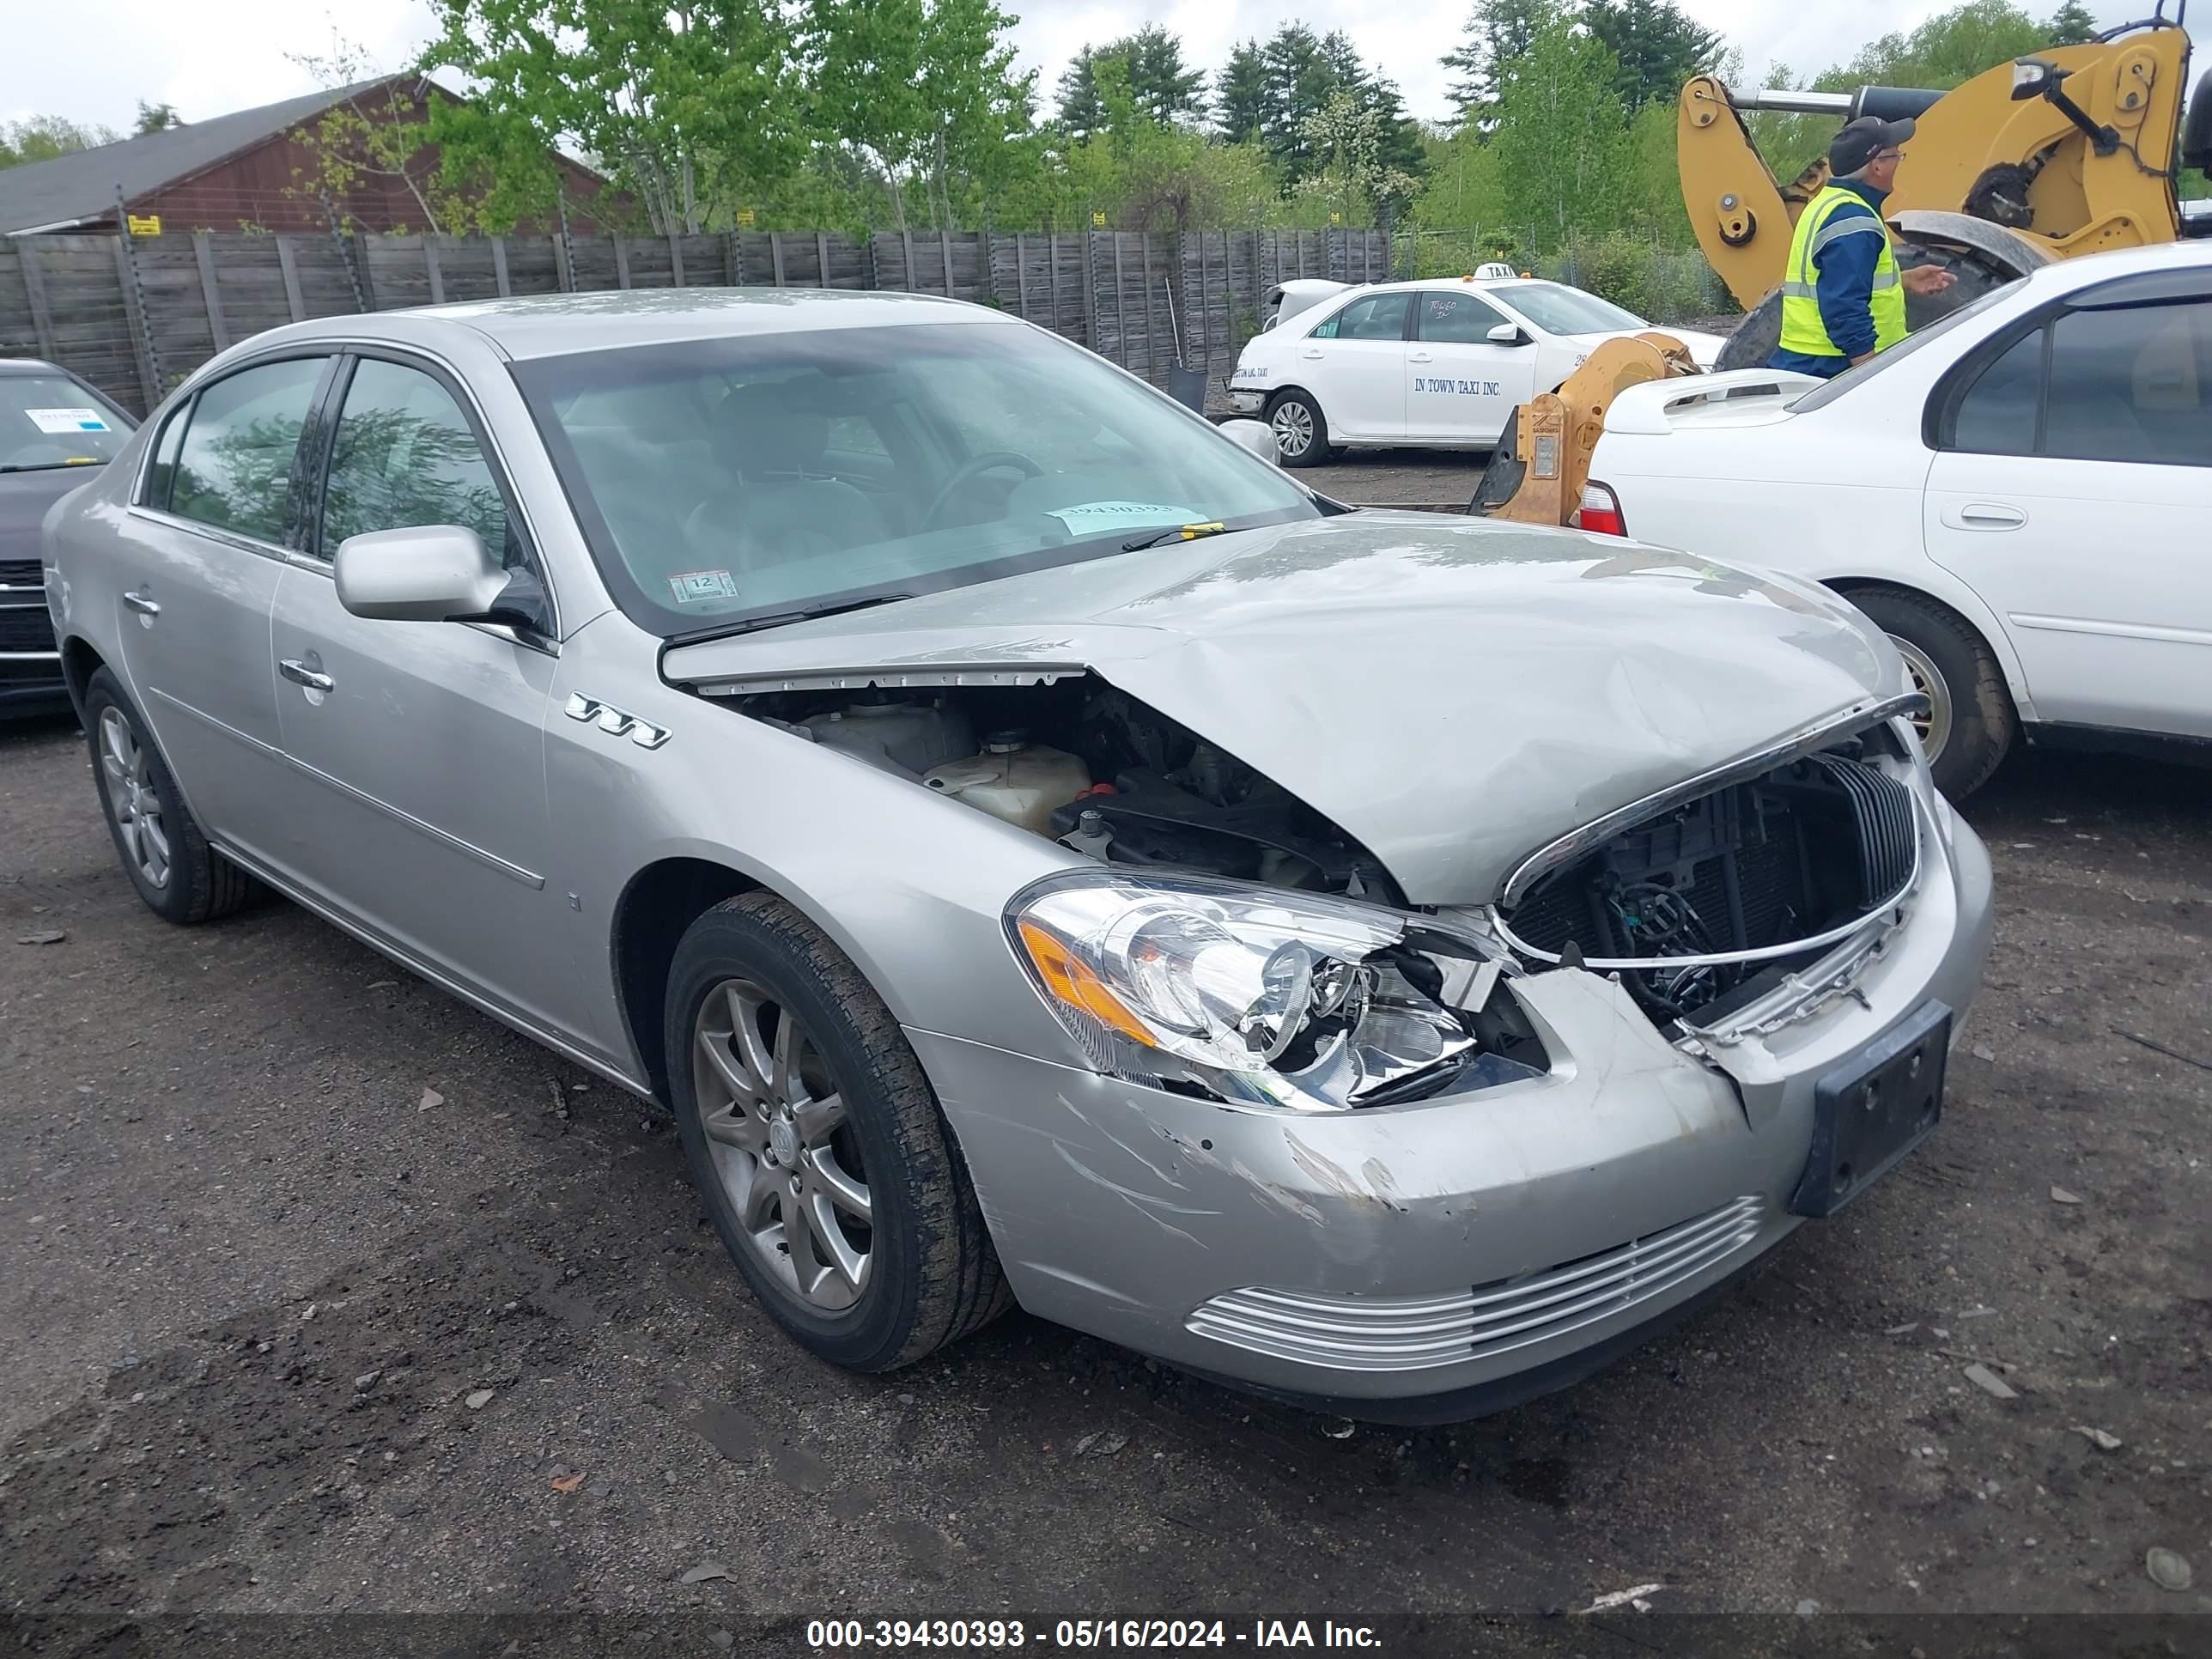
[[1873, 1108]]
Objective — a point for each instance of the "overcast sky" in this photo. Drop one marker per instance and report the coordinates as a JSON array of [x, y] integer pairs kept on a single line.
[[91, 60]]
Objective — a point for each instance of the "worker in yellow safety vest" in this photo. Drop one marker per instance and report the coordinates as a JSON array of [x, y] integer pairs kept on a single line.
[[1843, 297]]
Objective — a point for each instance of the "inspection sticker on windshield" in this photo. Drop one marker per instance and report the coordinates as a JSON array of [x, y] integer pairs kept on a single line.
[[1097, 518], [699, 586], [56, 422]]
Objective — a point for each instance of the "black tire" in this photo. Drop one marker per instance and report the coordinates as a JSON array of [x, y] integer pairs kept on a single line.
[[1937, 640], [932, 1276], [1501, 479], [200, 884], [1318, 449], [1755, 338]]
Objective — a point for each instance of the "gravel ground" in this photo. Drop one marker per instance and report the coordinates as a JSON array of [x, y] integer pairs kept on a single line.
[[322, 1292]]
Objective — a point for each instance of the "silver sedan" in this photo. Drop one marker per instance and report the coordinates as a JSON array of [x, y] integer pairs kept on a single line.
[[1040, 853]]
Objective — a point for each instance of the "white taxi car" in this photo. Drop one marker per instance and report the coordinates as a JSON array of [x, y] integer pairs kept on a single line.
[[1436, 364], [2017, 495]]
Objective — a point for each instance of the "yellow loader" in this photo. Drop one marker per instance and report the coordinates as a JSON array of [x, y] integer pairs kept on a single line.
[[2073, 151]]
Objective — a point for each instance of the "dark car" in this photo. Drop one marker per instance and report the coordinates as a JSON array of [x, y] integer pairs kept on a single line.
[[55, 433]]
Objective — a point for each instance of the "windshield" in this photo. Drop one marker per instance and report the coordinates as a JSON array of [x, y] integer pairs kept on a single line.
[[51, 420], [1828, 390], [1559, 309], [722, 480]]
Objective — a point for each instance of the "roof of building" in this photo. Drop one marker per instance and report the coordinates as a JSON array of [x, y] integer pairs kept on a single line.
[[82, 185]]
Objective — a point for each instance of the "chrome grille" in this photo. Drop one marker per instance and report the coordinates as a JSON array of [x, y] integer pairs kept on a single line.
[[1373, 1333]]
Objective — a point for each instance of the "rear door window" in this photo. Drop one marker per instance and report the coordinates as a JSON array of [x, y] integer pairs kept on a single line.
[[2130, 385], [233, 469]]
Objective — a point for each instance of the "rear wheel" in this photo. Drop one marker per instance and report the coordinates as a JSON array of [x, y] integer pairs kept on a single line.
[[1969, 723], [1301, 430], [817, 1145], [181, 879]]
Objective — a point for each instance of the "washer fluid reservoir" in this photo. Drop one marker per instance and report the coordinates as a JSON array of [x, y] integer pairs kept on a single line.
[[1013, 779]]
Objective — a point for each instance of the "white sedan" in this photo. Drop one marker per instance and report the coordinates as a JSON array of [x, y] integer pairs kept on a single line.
[[2017, 495], [1440, 364]]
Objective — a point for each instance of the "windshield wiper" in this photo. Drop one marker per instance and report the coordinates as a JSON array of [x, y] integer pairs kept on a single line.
[[45, 466], [1182, 532], [754, 624]]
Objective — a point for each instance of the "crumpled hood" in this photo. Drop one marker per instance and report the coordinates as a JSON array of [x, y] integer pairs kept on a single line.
[[1454, 692]]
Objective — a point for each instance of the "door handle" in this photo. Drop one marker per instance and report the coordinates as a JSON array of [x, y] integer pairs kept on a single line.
[[301, 674], [1310, 351], [143, 604], [1420, 357], [1984, 515]]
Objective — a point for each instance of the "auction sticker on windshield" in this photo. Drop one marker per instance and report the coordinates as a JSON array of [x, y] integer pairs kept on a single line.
[[56, 422], [700, 587], [1097, 518]]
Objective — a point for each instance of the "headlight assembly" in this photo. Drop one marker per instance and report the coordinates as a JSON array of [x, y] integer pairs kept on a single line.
[[1253, 995]]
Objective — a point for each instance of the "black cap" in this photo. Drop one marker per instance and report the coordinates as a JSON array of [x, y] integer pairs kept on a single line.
[[1862, 140]]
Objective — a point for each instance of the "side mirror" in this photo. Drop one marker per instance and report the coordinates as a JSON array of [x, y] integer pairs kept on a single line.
[[1254, 438], [1510, 334], [433, 573], [2031, 77]]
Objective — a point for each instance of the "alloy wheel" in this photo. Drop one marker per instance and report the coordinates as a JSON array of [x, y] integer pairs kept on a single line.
[[1933, 728], [776, 1127], [132, 798], [1294, 428]]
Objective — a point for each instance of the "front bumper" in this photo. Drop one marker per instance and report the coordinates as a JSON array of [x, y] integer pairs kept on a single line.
[[1439, 1258], [1245, 401]]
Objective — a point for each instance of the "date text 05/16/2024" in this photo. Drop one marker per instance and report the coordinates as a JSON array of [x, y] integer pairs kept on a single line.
[[893, 1635]]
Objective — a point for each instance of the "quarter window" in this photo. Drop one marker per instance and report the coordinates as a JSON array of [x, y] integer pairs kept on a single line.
[[404, 456], [233, 469], [1997, 415], [1458, 318]]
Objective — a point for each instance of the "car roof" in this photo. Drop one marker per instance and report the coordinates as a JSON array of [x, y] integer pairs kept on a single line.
[[2066, 274], [557, 325], [33, 366]]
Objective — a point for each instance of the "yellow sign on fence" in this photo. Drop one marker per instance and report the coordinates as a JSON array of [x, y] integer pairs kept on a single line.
[[745, 218], [1098, 220], [143, 224]]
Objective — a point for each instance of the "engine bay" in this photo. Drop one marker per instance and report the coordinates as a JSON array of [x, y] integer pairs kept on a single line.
[[1079, 762]]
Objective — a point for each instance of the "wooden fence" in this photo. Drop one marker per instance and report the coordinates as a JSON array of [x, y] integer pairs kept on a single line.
[[135, 315]]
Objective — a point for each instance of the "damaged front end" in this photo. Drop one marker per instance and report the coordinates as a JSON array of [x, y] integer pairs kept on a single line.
[[1747, 896], [1228, 941]]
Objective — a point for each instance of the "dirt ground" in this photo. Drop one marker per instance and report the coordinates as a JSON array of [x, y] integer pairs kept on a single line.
[[323, 1293]]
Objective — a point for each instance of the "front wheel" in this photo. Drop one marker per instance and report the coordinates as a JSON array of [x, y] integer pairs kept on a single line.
[[1970, 722], [816, 1143], [1301, 430]]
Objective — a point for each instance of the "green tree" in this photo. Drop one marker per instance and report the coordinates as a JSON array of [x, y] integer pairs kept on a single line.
[[42, 138], [1166, 89], [1951, 47], [2071, 25], [379, 133], [692, 104], [1240, 93], [1561, 138], [155, 118], [1658, 45], [1352, 176], [1496, 38]]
